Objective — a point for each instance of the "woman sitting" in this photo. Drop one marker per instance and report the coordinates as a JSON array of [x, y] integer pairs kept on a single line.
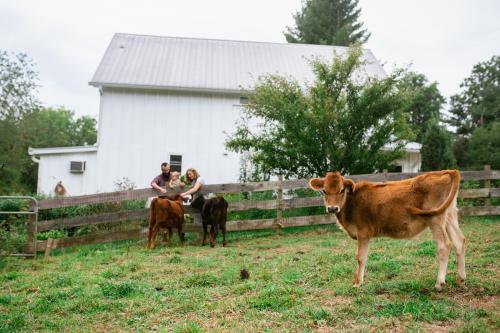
[[196, 181]]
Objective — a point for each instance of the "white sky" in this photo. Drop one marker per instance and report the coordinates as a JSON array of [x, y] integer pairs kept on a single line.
[[441, 38]]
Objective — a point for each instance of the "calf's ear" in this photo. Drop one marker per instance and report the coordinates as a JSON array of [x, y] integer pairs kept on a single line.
[[317, 183], [349, 183]]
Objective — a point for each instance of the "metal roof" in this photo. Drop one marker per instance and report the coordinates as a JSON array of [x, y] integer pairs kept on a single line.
[[209, 64]]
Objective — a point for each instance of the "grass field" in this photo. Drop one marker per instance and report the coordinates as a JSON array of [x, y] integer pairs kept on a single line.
[[300, 281]]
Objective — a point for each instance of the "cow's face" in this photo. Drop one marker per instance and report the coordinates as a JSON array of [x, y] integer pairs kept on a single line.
[[335, 189]]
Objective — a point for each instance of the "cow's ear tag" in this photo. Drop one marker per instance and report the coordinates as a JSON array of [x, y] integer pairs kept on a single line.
[[317, 183]]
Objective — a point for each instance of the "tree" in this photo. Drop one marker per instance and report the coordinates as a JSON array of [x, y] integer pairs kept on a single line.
[[484, 147], [475, 112], [425, 102], [328, 22], [336, 123], [49, 127], [18, 84], [478, 104], [436, 149]]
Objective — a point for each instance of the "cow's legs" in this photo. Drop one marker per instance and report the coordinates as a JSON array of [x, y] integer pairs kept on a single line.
[[156, 228], [458, 240], [180, 231], [169, 230], [443, 249], [213, 234], [362, 256], [223, 228], [205, 231], [150, 236]]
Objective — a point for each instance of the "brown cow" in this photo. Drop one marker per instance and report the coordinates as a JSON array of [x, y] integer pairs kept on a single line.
[[398, 209], [165, 213]]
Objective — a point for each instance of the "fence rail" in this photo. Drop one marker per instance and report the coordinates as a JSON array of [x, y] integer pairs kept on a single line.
[[279, 204]]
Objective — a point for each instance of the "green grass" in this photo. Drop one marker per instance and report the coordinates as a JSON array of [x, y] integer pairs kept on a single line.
[[300, 281]]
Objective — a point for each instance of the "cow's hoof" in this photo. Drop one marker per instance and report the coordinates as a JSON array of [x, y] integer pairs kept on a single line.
[[356, 285], [438, 286], [460, 281], [212, 245], [224, 244]]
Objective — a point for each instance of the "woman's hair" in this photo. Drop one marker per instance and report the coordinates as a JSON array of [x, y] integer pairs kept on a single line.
[[195, 173]]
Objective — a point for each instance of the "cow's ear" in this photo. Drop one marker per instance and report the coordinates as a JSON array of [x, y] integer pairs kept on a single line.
[[317, 183], [350, 184]]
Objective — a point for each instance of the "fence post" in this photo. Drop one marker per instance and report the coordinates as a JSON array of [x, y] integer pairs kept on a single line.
[[31, 227], [279, 201], [487, 184]]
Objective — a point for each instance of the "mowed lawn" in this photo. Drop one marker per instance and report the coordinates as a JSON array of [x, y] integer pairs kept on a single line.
[[300, 281]]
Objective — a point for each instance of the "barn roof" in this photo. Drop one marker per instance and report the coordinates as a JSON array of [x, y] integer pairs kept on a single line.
[[195, 64]]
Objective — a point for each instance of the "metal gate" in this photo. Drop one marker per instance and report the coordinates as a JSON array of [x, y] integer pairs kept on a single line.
[[31, 225]]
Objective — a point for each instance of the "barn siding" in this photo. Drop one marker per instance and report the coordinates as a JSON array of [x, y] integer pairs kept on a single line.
[[140, 129]]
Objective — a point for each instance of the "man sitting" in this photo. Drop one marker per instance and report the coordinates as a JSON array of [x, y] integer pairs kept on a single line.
[[159, 182]]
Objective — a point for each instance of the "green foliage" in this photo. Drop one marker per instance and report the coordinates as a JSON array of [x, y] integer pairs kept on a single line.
[[276, 298], [119, 289], [436, 152], [18, 85], [330, 22], [484, 147], [425, 102], [337, 123], [475, 113], [24, 123], [478, 104]]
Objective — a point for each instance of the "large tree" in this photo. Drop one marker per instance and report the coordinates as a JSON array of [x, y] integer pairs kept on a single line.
[[478, 104], [49, 127], [484, 147], [329, 22], [24, 123], [336, 123], [18, 87], [436, 152], [425, 104], [475, 114]]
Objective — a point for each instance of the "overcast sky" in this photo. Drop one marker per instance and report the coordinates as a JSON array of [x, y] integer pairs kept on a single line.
[[441, 38]]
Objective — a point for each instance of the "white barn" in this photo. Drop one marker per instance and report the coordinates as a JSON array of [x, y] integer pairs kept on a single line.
[[175, 100]]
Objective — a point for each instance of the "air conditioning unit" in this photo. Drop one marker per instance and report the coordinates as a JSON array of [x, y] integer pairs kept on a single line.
[[77, 166]]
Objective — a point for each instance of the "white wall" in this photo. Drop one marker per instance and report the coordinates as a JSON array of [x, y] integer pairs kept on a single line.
[[411, 162], [139, 130], [55, 168]]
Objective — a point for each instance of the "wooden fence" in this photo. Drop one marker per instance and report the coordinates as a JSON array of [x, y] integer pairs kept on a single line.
[[279, 204]]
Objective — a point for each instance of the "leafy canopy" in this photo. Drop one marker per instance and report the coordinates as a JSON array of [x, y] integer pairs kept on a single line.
[[328, 22], [475, 113], [436, 152], [24, 123], [337, 123], [478, 104], [425, 102]]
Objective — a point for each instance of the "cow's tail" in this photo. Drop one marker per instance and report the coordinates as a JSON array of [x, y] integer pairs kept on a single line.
[[455, 178], [152, 212]]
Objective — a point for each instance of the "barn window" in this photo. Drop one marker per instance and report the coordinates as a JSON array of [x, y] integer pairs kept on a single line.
[[243, 100], [176, 163]]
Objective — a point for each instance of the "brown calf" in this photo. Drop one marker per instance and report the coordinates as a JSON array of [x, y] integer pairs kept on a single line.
[[399, 209], [165, 213]]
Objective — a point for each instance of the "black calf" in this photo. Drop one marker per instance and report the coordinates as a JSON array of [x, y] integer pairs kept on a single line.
[[213, 214]]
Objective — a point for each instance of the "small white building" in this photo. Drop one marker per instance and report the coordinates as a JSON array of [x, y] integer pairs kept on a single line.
[[175, 100]]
